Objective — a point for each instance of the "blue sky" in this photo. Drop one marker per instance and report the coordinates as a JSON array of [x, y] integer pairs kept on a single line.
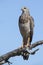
[[10, 37]]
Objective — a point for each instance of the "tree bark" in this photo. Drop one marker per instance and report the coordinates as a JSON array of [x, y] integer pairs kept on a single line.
[[20, 51]]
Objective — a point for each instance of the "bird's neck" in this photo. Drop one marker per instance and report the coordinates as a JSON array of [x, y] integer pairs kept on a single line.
[[26, 13]]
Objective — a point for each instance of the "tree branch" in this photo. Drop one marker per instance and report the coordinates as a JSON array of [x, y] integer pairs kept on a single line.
[[36, 44], [20, 51]]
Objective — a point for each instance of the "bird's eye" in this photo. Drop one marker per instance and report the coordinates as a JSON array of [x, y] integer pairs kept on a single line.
[[24, 7]]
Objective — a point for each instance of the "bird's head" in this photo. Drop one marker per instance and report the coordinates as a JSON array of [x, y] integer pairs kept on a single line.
[[25, 10]]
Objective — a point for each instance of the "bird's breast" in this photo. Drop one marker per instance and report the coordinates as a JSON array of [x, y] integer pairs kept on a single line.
[[24, 28]]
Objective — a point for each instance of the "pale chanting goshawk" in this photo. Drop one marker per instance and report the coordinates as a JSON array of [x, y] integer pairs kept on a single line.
[[26, 26]]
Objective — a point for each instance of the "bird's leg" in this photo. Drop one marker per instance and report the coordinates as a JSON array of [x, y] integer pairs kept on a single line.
[[28, 42], [25, 43], [23, 46]]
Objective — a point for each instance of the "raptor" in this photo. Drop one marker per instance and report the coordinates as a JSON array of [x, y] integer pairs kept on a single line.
[[26, 26]]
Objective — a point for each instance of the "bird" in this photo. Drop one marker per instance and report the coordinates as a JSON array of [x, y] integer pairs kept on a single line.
[[26, 27]]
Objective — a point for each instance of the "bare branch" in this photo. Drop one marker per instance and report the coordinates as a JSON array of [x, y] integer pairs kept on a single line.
[[36, 44], [8, 55], [32, 53], [20, 51]]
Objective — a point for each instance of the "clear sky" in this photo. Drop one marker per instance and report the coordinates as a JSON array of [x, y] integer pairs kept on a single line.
[[10, 37]]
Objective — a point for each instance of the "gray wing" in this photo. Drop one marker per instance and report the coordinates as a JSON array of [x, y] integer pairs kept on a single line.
[[31, 28]]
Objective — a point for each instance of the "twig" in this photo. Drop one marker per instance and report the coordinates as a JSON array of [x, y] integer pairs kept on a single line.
[[36, 44]]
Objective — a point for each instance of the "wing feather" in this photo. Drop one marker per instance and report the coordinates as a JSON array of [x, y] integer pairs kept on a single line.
[[31, 28]]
